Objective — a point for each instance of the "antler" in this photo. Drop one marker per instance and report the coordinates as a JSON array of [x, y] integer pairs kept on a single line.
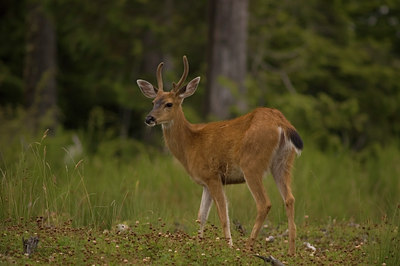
[[159, 76], [184, 75]]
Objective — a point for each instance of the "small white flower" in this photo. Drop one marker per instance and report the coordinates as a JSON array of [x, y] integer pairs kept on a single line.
[[308, 245], [270, 239], [122, 227]]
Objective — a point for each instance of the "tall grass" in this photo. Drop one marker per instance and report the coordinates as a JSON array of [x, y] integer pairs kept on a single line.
[[30, 188], [385, 241], [99, 190], [345, 185], [106, 188]]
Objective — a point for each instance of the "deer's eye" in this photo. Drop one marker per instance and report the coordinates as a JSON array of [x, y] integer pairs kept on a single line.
[[168, 105]]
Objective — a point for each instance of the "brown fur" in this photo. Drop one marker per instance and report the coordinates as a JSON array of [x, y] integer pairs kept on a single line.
[[229, 152]]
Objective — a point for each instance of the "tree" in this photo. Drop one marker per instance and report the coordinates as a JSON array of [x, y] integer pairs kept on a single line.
[[40, 68], [227, 56]]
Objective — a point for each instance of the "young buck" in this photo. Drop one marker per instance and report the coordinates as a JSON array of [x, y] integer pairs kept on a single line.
[[227, 152]]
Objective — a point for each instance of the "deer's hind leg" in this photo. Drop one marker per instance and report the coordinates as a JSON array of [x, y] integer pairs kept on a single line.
[[263, 203], [281, 170], [256, 153]]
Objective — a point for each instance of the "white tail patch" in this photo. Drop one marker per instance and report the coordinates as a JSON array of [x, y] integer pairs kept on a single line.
[[298, 152]]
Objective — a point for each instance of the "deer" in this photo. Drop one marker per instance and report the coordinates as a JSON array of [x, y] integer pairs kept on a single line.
[[215, 154]]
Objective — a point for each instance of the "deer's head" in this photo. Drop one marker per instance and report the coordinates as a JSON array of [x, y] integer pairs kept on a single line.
[[167, 103]]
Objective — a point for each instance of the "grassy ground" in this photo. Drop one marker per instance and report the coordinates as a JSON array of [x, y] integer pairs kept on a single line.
[[347, 207], [159, 243]]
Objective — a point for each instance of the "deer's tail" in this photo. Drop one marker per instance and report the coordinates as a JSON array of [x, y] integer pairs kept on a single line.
[[293, 136]]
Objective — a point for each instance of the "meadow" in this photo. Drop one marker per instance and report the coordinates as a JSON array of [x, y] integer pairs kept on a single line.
[[347, 206]]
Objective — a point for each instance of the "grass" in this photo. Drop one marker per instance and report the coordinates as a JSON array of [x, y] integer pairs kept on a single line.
[[346, 206], [154, 243]]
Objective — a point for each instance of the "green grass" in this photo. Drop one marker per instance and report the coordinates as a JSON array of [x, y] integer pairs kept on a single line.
[[384, 241], [346, 205], [153, 243]]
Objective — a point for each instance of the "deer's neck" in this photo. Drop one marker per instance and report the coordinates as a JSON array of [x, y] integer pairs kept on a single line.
[[178, 136]]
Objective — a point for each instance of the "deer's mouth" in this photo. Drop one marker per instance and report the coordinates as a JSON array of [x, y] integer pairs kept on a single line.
[[151, 124]]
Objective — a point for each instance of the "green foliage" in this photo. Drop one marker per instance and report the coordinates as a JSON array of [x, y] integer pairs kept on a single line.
[[11, 52], [339, 59], [329, 123], [104, 48]]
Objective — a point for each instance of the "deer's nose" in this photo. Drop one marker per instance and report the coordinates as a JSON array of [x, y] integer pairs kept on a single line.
[[150, 120]]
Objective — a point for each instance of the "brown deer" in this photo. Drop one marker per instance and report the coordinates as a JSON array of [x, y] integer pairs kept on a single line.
[[215, 154]]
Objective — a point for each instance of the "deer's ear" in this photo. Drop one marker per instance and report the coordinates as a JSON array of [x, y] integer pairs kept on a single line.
[[147, 89], [189, 89]]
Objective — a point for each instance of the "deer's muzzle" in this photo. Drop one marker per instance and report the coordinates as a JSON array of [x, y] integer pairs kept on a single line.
[[150, 121]]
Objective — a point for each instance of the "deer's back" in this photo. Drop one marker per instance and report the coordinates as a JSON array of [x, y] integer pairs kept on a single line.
[[220, 148]]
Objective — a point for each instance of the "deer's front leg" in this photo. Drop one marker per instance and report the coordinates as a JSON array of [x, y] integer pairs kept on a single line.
[[204, 210], [217, 193]]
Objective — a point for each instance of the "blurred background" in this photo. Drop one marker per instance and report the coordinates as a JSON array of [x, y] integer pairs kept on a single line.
[[332, 67]]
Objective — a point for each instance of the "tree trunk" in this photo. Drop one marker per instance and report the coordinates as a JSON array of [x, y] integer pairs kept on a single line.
[[40, 69], [227, 57]]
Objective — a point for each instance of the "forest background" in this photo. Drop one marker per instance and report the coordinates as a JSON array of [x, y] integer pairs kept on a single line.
[[332, 68]]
